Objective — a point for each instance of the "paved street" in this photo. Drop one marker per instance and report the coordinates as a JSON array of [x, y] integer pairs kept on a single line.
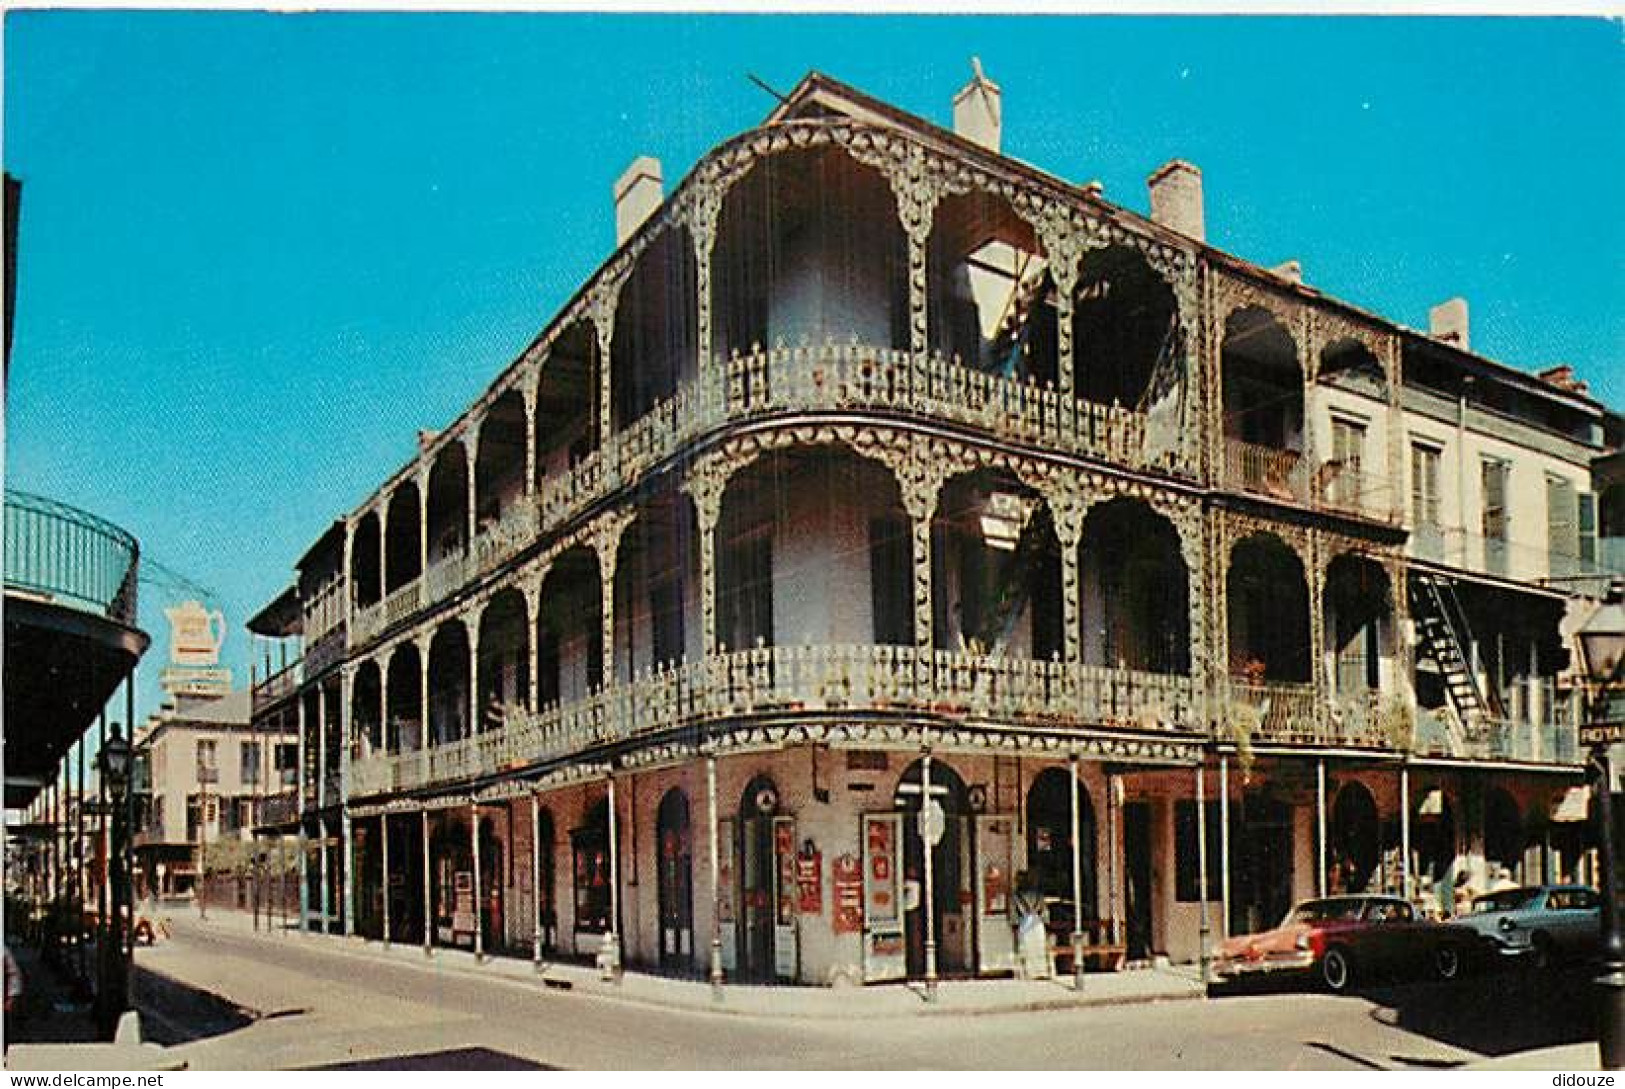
[[310, 1002]]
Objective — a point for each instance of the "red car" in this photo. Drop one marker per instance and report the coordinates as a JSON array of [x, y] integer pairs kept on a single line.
[[1342, 938]]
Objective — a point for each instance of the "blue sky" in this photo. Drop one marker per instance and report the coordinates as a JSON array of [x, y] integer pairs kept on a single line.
[[259, 251]]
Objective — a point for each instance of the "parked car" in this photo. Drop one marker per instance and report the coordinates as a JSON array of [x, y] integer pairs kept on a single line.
[[1538, 924], [1343, 938]]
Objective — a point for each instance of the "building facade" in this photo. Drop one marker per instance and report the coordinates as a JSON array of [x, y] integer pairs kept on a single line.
[[887, 524], [206, 767]]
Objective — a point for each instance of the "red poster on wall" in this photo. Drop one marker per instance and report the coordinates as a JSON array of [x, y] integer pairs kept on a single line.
[[810, 882], [848, 894]]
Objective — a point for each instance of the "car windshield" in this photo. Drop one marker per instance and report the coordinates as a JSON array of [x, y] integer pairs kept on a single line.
[[1325, 911], [1510, 900]]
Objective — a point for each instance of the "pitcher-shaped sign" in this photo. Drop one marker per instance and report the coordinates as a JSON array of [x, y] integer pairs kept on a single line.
[[195, 634]]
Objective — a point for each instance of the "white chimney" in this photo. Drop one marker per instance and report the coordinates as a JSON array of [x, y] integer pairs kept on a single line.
[[638, 193], [977, 110], [1176, 198], [1448, 322]]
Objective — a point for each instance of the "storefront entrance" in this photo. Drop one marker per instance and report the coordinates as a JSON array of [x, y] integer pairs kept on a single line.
[[1049, 847], [951, 862], [767, 948], [1137, 879], [676, 884]]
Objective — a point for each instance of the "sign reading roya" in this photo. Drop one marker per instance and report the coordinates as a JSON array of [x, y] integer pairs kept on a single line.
[[195, 634], [848, 894]]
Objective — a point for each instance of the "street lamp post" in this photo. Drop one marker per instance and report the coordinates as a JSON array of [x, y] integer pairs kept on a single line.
[[114, 995], [1602, 649]]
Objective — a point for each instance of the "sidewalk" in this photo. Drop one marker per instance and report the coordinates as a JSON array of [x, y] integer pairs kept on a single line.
[[954, 997]]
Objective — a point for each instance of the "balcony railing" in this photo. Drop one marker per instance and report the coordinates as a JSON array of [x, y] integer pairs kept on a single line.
[[1348, 491], [278, 686], [837, 378], [500, 541], [1441, 733], [1276, 711], [445, 575], [802, 679], [69, 556], [1266, 470]]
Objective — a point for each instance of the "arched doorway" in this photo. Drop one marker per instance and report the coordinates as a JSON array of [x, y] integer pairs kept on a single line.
[[1354, 848], [950, 865], [766, 849], [675, 839], [493, 917], [1049, 846]]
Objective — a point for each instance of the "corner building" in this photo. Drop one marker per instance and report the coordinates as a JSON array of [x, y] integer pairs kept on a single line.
[[875, 470]]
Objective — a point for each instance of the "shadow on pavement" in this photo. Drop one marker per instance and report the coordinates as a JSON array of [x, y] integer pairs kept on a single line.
[[175, 1013], [1496, 1012], [461, 1058]]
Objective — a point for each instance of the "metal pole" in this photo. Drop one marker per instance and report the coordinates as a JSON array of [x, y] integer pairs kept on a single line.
[[716, 870], [428, 921], [1205, 928], [614, 935], [1320, 827], [1077, 885], [383, 864], [103, 837], [1405, 831], [536, 880], [1224, 844], [1112, 784], [79, 868], [928, 900], [1611, 1007], [479, 913]]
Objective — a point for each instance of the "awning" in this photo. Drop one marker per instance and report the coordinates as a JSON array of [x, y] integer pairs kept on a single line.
[[1574, 804]]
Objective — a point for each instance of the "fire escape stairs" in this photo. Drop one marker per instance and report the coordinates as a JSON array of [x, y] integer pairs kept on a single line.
[[1443, 630]]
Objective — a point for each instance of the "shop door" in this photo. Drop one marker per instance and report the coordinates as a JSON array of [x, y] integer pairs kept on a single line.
[[676, 892], [883, 947], [757, 908], [995, 931], [1137, 878]]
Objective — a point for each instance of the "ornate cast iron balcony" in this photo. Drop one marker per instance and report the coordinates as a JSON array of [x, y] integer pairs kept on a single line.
[[803, 679], [849, 378]]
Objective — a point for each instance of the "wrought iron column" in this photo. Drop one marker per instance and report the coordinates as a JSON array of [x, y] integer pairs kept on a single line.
[[479, 908], [383, 847], [536, 880], [1320, 826], [1405, 831], [1205, 928], [1224, 845], [614, 935], [428, 905], [716, 870], [928, 899], [1077, 882]]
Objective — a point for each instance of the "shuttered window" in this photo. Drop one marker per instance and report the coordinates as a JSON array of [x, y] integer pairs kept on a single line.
[[1495, 519], [1562, 527]]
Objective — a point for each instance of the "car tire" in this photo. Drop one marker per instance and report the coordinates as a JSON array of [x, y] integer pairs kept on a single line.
[[1336, 971], [1447, 962], [1540, 951]]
